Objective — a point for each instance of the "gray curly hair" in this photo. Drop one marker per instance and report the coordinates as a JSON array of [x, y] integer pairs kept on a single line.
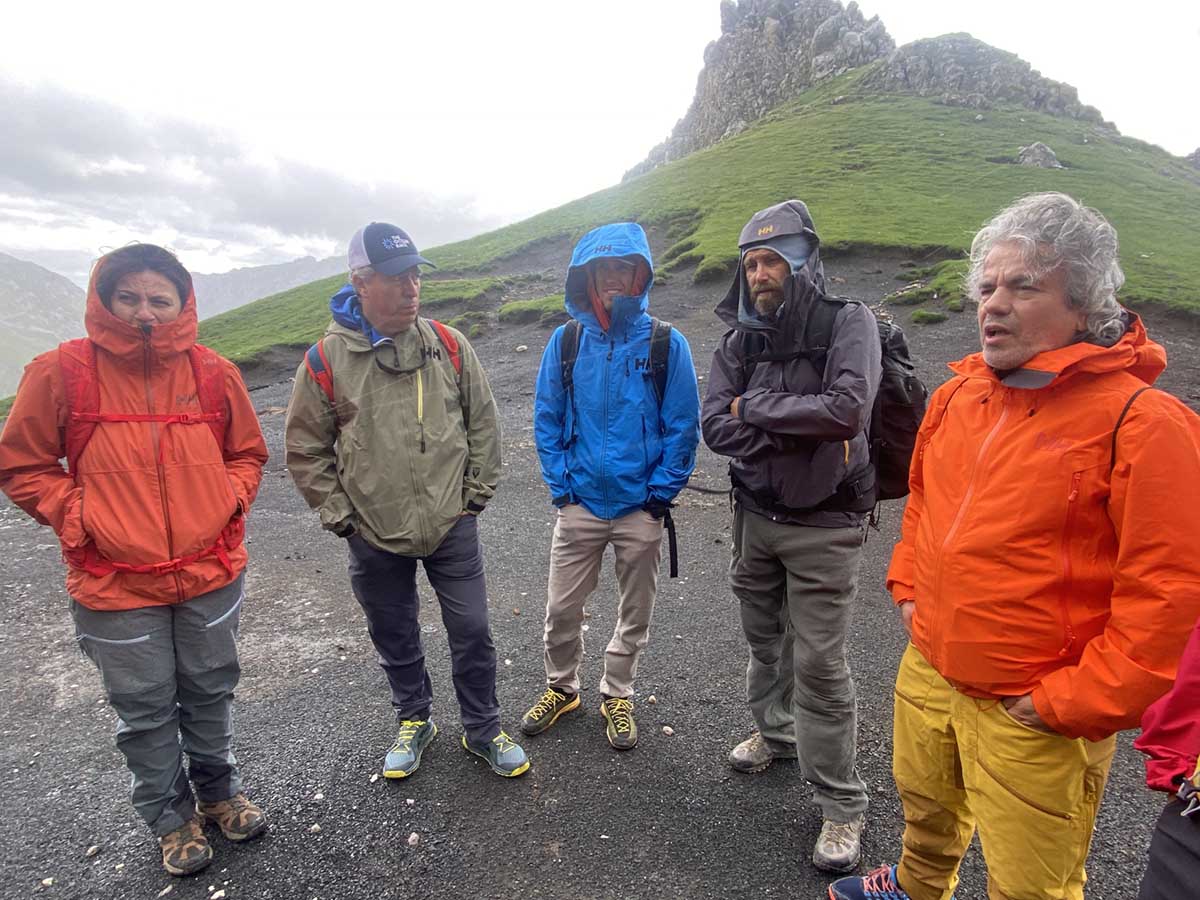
[[1053, 231]]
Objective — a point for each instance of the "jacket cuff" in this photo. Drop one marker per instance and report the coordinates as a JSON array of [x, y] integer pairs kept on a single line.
[[474, 506], [335, 510], [1046, 713], [746, 398]]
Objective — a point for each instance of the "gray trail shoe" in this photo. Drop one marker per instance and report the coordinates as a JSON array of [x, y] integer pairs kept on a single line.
[[839, 845], [753, 755], [411, 740]]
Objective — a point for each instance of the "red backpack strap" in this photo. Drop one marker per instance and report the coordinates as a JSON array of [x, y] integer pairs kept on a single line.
[[319, 369], [81, 389], [208, 370], [449, 342]]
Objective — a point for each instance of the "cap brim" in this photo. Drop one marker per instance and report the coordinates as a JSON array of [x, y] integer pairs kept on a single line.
[[398, 264]]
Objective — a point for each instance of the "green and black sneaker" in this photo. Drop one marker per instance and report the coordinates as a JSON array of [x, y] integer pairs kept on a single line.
[[622, 730], [404, 757], [552, 704], [503, 754]]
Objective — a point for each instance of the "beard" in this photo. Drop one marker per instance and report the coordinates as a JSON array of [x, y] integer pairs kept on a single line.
[[767, 301]]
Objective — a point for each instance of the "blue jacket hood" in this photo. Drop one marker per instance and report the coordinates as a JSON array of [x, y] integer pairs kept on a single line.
[[618, 239], [347, 312]]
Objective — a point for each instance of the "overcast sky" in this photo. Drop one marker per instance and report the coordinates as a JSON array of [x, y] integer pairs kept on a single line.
[[246, 133]]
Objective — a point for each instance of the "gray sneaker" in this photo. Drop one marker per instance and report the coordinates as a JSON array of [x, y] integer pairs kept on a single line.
[[753, 755], [839, 845]]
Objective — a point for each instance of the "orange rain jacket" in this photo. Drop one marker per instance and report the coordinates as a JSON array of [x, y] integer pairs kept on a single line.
[[1037, 563], [145, 493]]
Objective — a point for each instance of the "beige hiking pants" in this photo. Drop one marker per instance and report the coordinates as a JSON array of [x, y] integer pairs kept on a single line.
[[575, 557]]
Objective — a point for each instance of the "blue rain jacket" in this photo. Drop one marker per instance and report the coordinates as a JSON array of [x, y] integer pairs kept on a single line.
[[616, 449]]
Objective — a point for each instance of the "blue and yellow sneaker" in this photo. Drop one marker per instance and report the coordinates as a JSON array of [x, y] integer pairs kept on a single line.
[[879, 884], [504, 755], [404, 757]]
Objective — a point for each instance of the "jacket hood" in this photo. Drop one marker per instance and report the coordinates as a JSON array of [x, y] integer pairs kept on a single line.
[[619, 239], [1134, 352], [788, 229], [347, 312], [127, 341]]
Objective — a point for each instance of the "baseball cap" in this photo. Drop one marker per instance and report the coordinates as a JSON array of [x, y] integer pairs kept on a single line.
[[385, 248]]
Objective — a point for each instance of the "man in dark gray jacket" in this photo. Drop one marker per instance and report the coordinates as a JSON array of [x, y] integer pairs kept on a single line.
[[793, 417]]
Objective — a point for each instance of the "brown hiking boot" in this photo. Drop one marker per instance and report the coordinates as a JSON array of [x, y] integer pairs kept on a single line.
[[186, 850], [238, 818]]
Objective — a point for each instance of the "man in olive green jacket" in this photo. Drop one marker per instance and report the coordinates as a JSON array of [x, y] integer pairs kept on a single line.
[[392, 436]]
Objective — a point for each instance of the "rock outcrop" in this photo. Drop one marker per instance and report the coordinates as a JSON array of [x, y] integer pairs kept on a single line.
[[769, 51], [1194, 158], [1039, 155], [959, 70]]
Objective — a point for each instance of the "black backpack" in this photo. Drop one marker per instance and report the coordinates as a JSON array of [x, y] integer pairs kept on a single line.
[[899, 404]]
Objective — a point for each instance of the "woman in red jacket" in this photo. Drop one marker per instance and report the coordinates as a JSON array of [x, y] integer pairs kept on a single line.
[[1170, 739], [164, 457]]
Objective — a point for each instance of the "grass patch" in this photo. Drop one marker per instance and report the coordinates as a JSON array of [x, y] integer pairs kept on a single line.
[[299, 316], [472, 323], [545, 310], [5, 405], [945, 281], [927, 317], [890, 170]]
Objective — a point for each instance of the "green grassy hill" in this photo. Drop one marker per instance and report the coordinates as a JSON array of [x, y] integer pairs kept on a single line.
[[877, 171]]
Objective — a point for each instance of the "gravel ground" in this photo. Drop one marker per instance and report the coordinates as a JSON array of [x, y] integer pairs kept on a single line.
[[669, 819]]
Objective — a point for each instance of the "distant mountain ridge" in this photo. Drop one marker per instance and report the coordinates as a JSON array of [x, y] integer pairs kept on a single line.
[[38, 310], [229, 290]]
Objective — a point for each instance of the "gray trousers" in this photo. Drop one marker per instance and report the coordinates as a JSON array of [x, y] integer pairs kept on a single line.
[[796, 585], [169, 673]]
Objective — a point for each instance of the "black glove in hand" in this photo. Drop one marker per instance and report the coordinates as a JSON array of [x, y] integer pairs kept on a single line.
[[657, 508]]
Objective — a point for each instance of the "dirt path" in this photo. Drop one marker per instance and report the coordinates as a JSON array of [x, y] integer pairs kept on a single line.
[[667, 820]]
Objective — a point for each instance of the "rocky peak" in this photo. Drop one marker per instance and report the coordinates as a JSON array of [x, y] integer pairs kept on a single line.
[[960, 70], [769, 51], [1194, 158]]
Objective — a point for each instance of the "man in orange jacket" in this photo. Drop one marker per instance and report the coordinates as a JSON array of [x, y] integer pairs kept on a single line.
[[1045, 561]]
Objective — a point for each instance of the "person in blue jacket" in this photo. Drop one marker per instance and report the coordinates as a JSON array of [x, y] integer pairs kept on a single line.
[[614, 454]]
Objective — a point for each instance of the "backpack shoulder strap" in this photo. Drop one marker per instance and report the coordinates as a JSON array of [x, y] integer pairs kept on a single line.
[[81, 390], [208, 370], [319, 370], [450, 342], [1112, 459], [568, 352], [660, 356], [818, 329]]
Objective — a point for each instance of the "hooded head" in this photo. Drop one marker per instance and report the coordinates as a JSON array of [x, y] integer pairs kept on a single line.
[[787, 230], [608, 282]]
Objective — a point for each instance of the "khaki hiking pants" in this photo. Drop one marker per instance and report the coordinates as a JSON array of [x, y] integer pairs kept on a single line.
[[963, 763], [575, 557]]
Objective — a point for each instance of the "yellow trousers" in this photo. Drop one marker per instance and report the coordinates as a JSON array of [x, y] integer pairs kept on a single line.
[[961, 763]]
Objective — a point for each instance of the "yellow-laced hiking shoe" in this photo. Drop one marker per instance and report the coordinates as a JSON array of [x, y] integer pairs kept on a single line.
[[185, 851], [622, 730], [405, 756], [503, 754], [552, 704]]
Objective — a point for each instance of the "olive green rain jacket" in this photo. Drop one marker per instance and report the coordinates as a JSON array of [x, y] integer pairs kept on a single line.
[[407, 446]]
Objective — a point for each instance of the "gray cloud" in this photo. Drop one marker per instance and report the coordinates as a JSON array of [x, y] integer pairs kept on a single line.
[[80, 157]]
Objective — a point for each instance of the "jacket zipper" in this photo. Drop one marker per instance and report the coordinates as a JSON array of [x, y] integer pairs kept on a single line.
[[604, 445], [159, 462], [935, 621], [1064, 598]]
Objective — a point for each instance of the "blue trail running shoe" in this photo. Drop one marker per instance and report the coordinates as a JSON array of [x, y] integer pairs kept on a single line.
[[502, 754], [405, 756], [879, 884]]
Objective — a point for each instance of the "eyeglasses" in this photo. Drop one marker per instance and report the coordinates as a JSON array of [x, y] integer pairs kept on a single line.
[[395, 369]]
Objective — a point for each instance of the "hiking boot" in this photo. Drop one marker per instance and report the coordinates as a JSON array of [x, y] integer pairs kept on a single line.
[[622, 730], [753, 755], [185, 851], [404, 757], [237, 817], [552, 704], [502, 754], [839, 845]]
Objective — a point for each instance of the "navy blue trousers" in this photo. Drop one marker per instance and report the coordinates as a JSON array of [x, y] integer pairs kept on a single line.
[[1174, 868], [385, 585]]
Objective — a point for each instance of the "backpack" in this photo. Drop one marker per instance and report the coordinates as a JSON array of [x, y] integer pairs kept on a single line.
[[320, 371], [77, 362], [899, 403], [81, 387], [657, 371]]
